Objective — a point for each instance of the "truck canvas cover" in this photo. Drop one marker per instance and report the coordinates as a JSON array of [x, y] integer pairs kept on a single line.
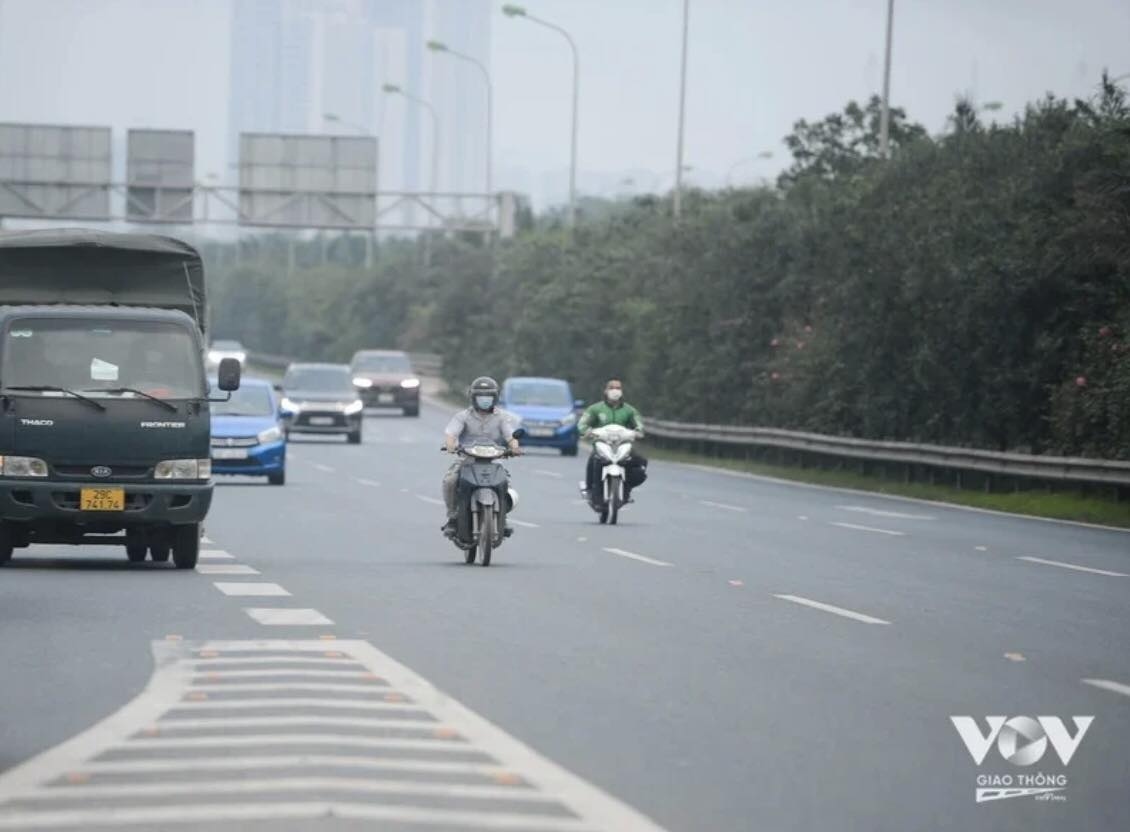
[[84, 267]]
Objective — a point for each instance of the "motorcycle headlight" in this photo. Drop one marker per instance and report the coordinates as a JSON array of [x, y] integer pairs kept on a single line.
[[23, 466], [183, 469], [603, 449], [270, 435], [362, 382], [353, 407], [410, 383], [621, 451], [569, 420]]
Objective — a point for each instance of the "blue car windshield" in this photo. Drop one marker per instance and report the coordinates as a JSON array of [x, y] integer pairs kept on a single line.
[[538, 394], [251, 400]]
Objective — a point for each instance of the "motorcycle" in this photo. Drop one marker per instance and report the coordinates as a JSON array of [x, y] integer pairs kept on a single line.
[[612, 445], [484, 499]]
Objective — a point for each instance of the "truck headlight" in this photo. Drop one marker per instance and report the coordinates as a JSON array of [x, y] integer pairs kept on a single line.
[[23, 466], [410, 383], [355, 407], [270, 435], [183, 469]]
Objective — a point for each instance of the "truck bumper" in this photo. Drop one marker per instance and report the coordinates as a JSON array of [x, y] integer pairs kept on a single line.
[[146, 503]]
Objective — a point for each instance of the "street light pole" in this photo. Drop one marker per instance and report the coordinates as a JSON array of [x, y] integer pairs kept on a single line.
[[765, 154], [678, 196], [511, 10], [393, 89], [885, 116], [437, 46]]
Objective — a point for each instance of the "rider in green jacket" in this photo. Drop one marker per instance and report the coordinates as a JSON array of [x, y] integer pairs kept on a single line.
[[613, 410]]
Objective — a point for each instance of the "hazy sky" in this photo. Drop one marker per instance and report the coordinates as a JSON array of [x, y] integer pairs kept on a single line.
[[755, 66]]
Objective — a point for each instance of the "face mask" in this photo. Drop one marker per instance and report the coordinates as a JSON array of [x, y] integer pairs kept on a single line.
[[484, 402], [614, 395]]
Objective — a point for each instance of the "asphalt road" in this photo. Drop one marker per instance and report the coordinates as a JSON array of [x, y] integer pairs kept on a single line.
[[739, 654]]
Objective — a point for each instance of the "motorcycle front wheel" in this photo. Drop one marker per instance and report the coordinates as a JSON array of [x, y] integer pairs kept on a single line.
[[486, 535], [613, 500]]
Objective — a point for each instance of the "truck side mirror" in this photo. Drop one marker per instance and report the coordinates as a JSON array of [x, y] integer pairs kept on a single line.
[[228, 374]]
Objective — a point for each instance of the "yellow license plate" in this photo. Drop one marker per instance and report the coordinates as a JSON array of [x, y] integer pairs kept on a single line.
[[102, 499]]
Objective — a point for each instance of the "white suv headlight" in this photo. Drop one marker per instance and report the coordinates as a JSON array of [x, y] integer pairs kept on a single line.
[[410, 383], [355, 407], [23, 466], [183, 469], [358, 381], [270, 435]]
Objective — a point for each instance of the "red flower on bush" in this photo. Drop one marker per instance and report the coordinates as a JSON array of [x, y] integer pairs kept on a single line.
[[1080, 381]]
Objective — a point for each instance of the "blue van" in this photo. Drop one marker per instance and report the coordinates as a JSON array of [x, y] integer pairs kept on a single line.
[[547, 409]]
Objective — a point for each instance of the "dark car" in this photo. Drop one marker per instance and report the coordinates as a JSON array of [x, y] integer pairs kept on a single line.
[[384, 378], [321, 398]]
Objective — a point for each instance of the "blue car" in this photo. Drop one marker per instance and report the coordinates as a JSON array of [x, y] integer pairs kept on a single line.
[[246, 437], [547, 409]]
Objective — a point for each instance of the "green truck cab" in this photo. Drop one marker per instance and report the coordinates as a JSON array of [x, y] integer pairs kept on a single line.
[[105, 430]]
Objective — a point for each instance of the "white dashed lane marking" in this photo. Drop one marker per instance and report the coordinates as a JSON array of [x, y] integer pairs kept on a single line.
[[1074, 566], [432, 500], [250, 588], [523, 523], [395, 751], [226, 569], [1107, 684], [872, 529], [215, 554], [883, 513], [820, 605], [633, 556], [369, 483], [324, 468], [723, 506], [555, 474], [287, 617]]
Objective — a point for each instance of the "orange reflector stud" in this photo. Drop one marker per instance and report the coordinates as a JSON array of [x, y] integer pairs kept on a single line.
[[327, 637], [506, 778], [334, 654], [196, 695], [446, 733], [207, 654], [173, 637], [78, 777], [394, 697]]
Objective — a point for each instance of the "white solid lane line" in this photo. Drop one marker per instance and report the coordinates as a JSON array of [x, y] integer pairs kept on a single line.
[[869, 529], [819, 605], [431, 500], [300, 702], [633, 556], [881, 513], [303, 687], [287, 617], [723, 506], [318, 762], [255, 588], [226, 569], [523, 523], [215, 554], [1074, 566], [322, 784], [1107, 684], [229, 723], [162, 817]]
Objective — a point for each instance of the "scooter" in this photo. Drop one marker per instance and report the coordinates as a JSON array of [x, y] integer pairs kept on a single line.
[[484, 499], [612, 445]]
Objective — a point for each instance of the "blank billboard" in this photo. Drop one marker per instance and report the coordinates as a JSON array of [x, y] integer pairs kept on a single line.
[[160, 175], [54, 171], [307, 181]]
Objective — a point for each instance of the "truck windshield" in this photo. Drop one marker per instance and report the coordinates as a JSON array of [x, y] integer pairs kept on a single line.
[[101, 358]]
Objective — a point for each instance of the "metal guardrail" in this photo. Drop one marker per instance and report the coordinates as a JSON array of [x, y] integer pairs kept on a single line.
[[1056, 468], [941, 457]]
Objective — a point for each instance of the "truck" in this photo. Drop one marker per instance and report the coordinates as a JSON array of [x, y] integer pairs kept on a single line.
[[105, 430]]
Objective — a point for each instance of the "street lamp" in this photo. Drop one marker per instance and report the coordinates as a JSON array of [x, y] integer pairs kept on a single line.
[[765, 154], [511, 10], [885, 115], [677, 202], [438, 46], [336, 119], [395, 89]]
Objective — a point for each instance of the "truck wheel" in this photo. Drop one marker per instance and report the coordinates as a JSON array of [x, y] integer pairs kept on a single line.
[[136, 552], [6, 544], [159, 552], [186, 545]]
